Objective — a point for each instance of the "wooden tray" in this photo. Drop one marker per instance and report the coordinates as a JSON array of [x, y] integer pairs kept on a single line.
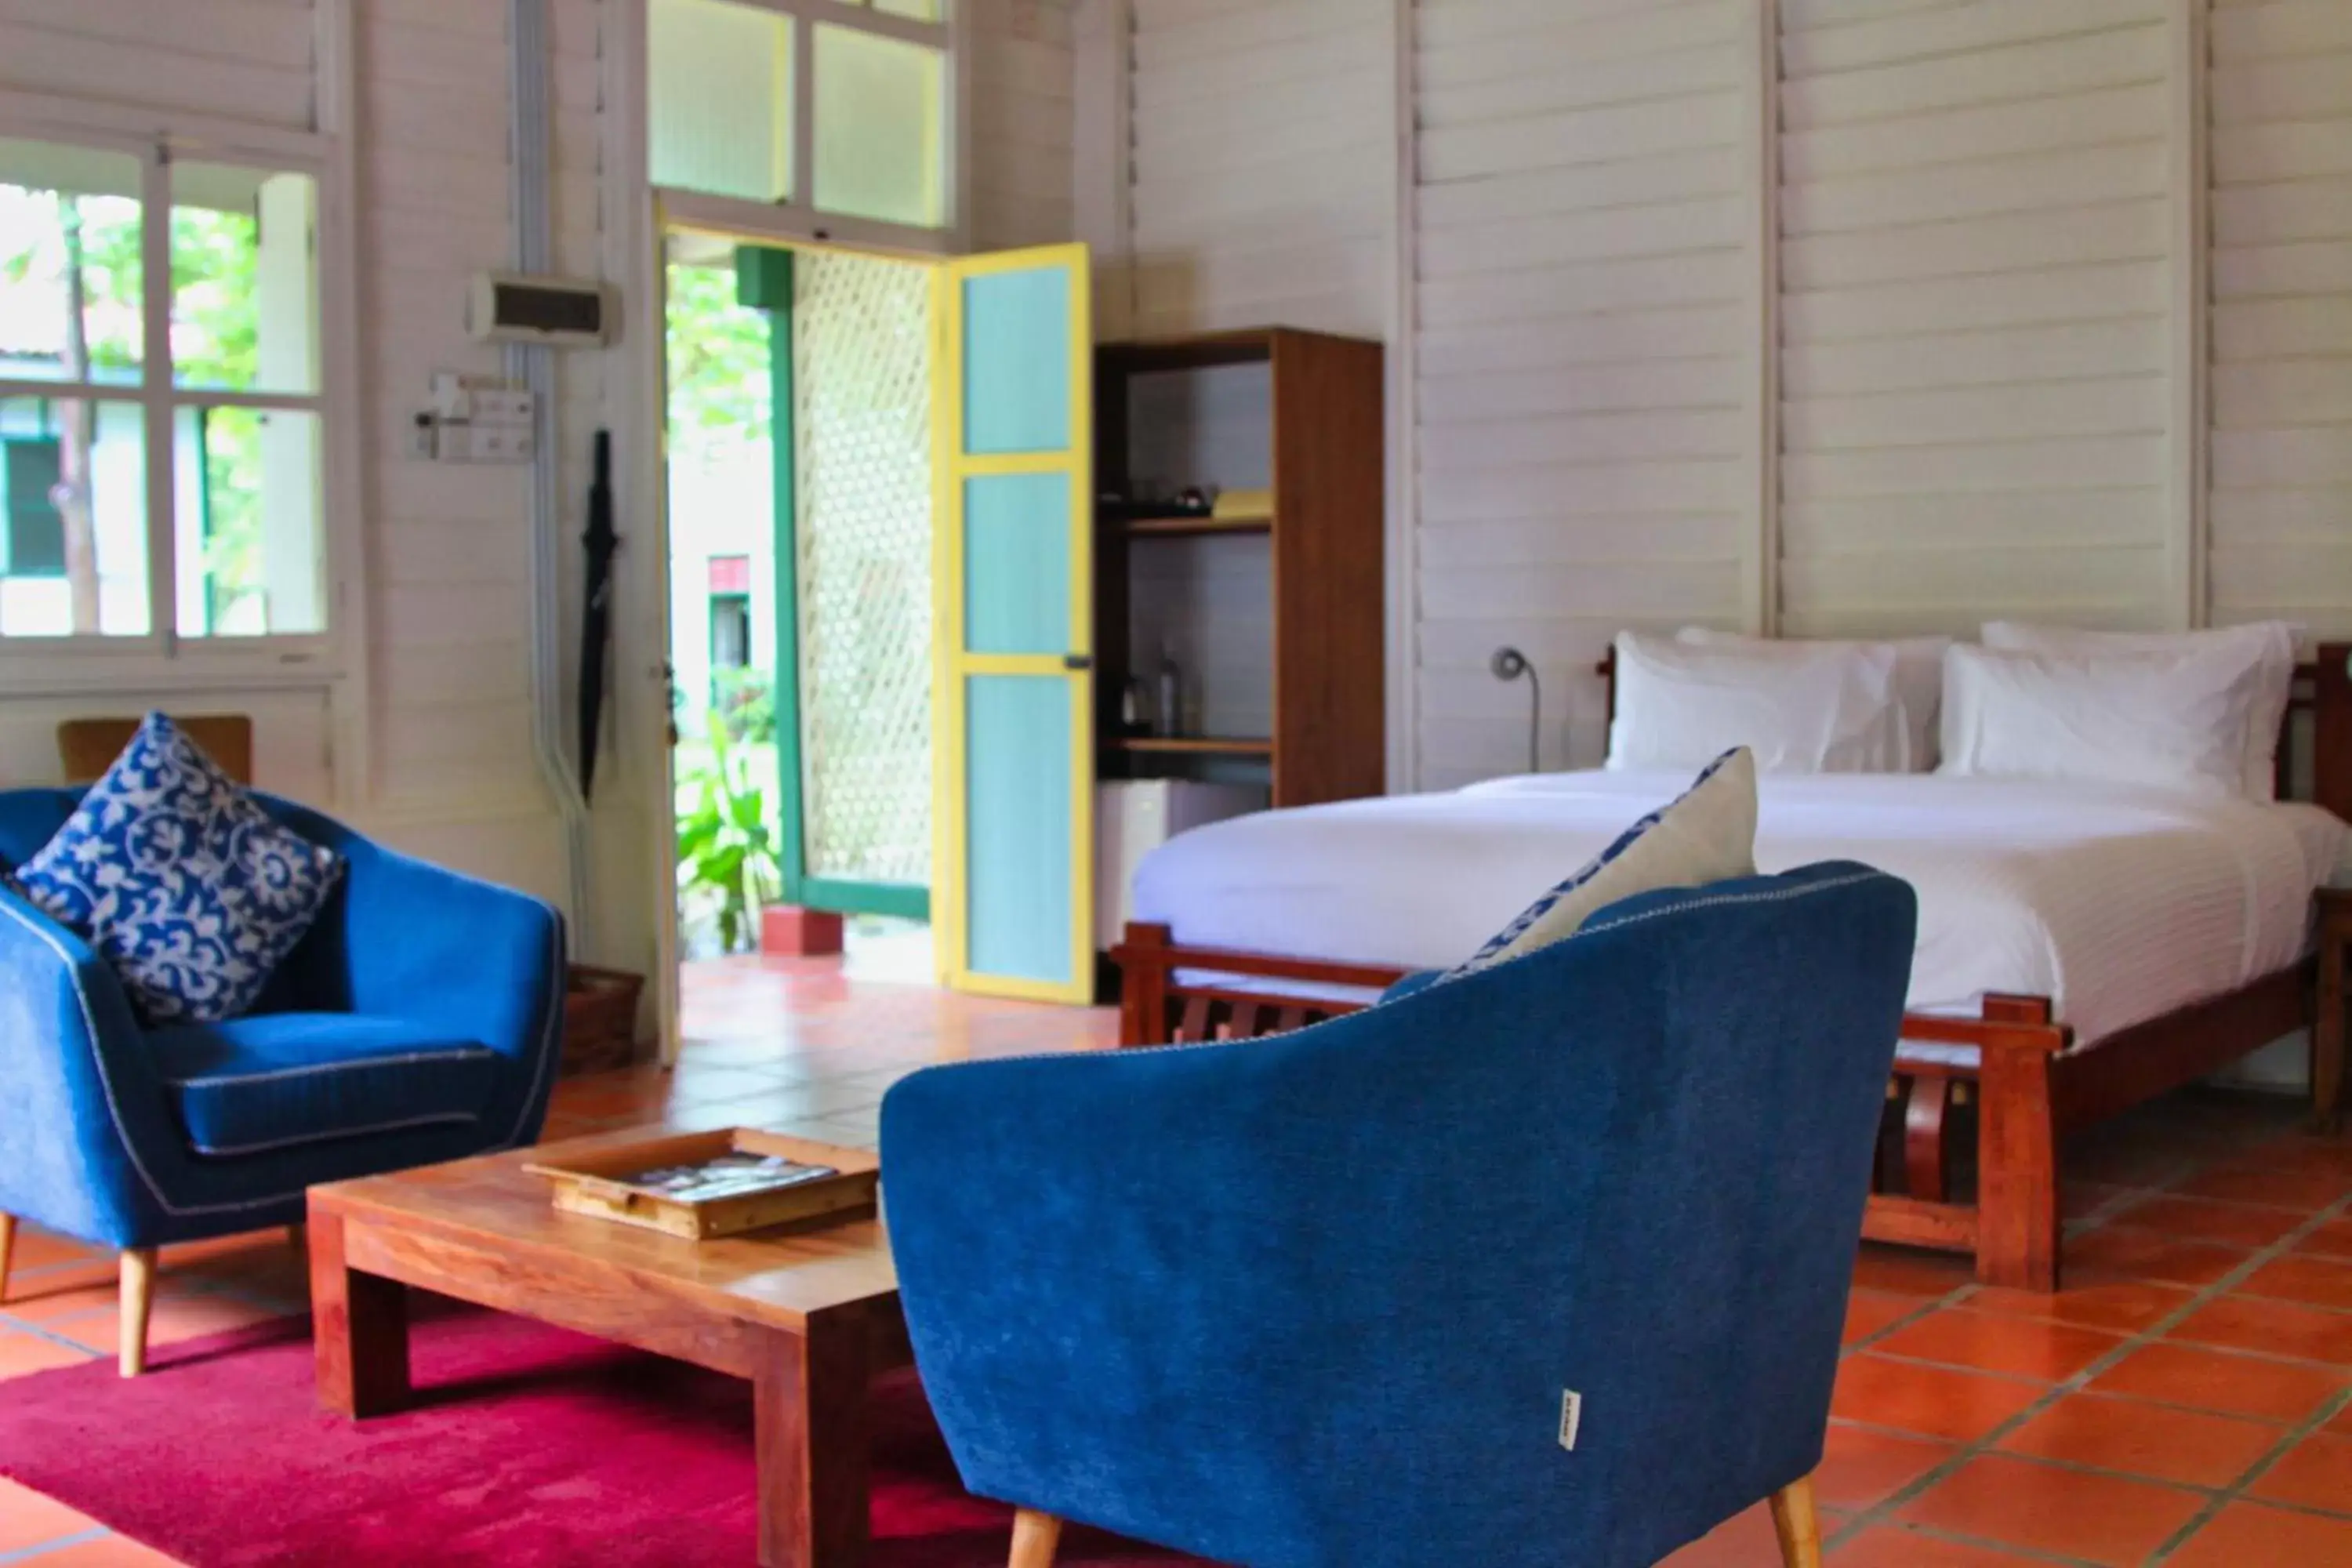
[[586, 1184]]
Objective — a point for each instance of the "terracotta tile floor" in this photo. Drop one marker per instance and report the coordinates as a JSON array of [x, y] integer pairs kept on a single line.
[[2186, 1402]]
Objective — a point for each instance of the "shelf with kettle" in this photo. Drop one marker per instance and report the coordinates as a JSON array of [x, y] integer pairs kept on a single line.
[[1238, 563]]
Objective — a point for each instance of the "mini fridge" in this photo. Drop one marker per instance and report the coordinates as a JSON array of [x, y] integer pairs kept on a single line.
[[1135, 817]]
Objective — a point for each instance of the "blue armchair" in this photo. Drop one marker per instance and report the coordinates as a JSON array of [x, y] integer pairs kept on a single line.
[[417, 1021], [1546, 1264]]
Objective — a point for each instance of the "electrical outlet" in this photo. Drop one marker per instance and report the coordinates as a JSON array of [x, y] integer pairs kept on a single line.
[[501, 407]]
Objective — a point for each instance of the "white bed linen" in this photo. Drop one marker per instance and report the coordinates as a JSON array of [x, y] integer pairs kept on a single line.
[[2120, 902]]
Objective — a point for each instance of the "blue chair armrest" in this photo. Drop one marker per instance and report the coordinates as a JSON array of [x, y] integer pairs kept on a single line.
[[432, 944], [88, 1128], [402, 938], [408, 939], [1418, 981]]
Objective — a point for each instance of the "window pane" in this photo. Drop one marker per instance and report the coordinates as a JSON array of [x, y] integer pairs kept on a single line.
[[919, 10], [73, 518], [720, 85], [880, 128], [251, 552], [245, 281], [69, 264]]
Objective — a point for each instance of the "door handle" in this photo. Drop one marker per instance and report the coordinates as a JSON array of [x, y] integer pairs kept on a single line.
[[1076, 661]]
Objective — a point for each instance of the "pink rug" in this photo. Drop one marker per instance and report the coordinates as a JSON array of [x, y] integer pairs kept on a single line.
[[531, 1448]]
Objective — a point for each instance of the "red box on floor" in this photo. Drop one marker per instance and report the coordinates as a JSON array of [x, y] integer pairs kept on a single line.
[[788, 931]]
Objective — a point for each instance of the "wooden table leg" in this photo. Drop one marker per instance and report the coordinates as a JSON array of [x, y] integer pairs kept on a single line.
[[810, 1392], [361, 1324]]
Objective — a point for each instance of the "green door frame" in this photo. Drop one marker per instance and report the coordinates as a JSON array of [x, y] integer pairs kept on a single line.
[[764, 281]]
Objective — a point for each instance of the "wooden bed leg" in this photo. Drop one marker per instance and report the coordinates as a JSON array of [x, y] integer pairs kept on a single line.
[[1141, 956], [2017, 1168], [1924, 1112], [2327, 1017], [1886, 1154]]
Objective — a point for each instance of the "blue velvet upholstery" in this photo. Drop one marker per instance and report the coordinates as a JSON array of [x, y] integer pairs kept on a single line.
[[97, 1138], [1313, 1301], [283, 1079]]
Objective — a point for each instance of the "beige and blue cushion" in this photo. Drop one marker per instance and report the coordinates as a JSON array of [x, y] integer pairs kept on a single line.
[[1707, 834]]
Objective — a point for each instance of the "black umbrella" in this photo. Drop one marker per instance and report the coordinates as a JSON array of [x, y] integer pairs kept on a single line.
[[596, 612]]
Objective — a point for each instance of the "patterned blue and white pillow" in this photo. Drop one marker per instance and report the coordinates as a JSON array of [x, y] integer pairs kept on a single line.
[[180, 880], [1707, 834]]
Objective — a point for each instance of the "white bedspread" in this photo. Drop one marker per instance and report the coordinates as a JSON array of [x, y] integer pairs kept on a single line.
[[2120, 903]]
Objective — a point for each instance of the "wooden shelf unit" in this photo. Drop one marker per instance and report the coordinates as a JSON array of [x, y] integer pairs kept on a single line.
[[1326, 536], [1197, 745], [1192, 527]]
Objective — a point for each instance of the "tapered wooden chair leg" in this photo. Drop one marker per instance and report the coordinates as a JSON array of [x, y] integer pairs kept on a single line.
[[1035, 1536], [7, 1249], [137, 1300], [1800, 1528]]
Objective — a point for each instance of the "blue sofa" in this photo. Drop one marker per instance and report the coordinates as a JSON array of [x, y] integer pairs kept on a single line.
[[1544, 1266], [419, 1020]]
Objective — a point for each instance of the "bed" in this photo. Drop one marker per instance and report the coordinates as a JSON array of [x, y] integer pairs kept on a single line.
[[2081, 947]]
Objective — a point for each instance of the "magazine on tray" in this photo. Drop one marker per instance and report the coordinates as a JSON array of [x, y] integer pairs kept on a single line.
[[732, 1175]]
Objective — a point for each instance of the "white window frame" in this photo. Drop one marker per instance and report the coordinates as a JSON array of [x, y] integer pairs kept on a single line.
[[799, 218], [164, 659]]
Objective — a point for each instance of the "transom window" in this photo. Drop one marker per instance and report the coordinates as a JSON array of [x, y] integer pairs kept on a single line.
[[162, 422], [838, 111]]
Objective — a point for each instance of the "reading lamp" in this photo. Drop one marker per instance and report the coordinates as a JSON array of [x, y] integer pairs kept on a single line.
[[1509, 664]]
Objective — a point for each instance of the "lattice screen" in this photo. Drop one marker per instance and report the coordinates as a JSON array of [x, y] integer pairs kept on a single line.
[[861, 376]]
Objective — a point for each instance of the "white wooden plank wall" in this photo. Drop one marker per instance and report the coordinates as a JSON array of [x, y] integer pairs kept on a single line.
[[452, 544], [1975, 304], [1262, 174], [238, 59], [1582, 280], [2280, 101], [1021, 123]]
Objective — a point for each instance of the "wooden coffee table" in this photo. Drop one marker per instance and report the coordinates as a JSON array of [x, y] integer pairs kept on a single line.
[[807, 1315]]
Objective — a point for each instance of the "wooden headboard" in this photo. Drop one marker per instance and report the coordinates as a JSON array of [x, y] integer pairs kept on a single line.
[[2323, 689]]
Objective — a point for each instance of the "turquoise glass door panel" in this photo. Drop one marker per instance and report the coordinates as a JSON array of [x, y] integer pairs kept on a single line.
[[1017, 853], [1016, 555], [1014, 884], [1017, 328]]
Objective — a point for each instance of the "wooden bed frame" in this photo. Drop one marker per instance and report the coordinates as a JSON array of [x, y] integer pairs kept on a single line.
[[2013, 1073]]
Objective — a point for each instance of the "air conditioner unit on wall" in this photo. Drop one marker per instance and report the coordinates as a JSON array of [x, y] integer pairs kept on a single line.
[[561, 312]]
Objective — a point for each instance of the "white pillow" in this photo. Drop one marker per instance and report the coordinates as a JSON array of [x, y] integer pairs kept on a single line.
[[1918, 678], [2177, 720], [2266, 648], [1707, 834], [1802, 709]]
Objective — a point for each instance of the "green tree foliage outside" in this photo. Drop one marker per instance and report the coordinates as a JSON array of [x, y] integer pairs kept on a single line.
[[721, 396]]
